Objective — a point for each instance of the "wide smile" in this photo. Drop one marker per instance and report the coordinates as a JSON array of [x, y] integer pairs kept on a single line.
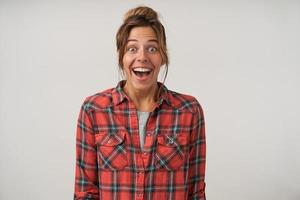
[[142, 71]]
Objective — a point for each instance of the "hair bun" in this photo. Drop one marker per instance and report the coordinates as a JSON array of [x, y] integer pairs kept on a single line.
[[144, 11]]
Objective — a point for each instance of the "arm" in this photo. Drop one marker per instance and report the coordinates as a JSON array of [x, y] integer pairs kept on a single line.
[[86, 177], [196, 184]]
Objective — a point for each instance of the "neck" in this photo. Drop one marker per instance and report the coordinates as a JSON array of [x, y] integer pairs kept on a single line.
[[144, 100]]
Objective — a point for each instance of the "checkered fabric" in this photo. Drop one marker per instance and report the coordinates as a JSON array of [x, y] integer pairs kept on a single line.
[[110, 164]]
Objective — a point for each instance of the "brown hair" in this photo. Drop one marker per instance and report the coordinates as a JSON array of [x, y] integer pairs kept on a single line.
[[140, 17]]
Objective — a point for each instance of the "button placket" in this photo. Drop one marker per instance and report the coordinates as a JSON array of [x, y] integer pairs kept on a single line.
[[140, 177], [140, 184], [140, 195], [148, 139]]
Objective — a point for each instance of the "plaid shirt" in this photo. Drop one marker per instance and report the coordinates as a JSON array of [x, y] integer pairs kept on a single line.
[[110, 164]]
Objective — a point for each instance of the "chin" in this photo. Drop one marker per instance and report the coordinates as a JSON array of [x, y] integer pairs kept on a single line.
[[146, 86]]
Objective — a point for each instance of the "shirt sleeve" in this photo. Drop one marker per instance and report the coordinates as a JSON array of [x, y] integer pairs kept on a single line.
[[197, 157], [86, 178]]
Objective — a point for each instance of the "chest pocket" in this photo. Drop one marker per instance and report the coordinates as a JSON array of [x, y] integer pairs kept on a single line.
[[171, 151], [111, 150]]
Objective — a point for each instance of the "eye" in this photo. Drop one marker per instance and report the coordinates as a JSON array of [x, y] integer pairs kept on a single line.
[[152, 49], [132, 49]]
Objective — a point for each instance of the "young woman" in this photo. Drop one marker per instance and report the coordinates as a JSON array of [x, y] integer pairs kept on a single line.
[[140, 140]]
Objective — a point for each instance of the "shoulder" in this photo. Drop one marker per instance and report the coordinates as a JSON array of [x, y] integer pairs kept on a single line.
[[99, 100], [184, 101]]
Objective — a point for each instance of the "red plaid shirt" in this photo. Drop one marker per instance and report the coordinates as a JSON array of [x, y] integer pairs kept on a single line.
[[110, 164]]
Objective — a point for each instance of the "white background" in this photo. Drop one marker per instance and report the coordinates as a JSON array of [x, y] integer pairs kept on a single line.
[[241, 59]]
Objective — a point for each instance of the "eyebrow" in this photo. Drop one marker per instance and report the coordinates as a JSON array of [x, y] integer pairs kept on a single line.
[[134, 40]]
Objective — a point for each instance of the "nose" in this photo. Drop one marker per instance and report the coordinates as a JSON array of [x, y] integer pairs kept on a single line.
[[142, 56]]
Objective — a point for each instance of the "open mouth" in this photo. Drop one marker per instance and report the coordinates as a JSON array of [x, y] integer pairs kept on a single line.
[[141, 71]]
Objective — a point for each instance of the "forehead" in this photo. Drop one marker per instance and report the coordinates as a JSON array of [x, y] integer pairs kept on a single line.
[[142, 33]]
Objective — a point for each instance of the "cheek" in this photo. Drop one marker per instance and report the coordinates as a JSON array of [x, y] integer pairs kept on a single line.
[[127, 60], [158, 61]]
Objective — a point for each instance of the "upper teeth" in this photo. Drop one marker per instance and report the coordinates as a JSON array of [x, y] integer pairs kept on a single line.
[[141, 69]]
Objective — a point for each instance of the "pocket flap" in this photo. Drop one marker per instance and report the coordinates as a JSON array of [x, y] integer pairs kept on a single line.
[[172, 140], [110, 139]]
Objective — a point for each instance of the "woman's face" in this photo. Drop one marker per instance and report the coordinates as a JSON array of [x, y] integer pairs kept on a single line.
[[142, 59]]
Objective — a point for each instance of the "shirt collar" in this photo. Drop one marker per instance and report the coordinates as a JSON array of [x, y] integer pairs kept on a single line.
[[164, 94], [118, 94]]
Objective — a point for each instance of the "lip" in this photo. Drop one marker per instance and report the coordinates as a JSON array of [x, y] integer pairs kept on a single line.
[[143, 78]]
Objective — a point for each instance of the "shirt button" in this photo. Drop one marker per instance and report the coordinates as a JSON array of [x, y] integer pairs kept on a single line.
[[145, 153], [140, 194]]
